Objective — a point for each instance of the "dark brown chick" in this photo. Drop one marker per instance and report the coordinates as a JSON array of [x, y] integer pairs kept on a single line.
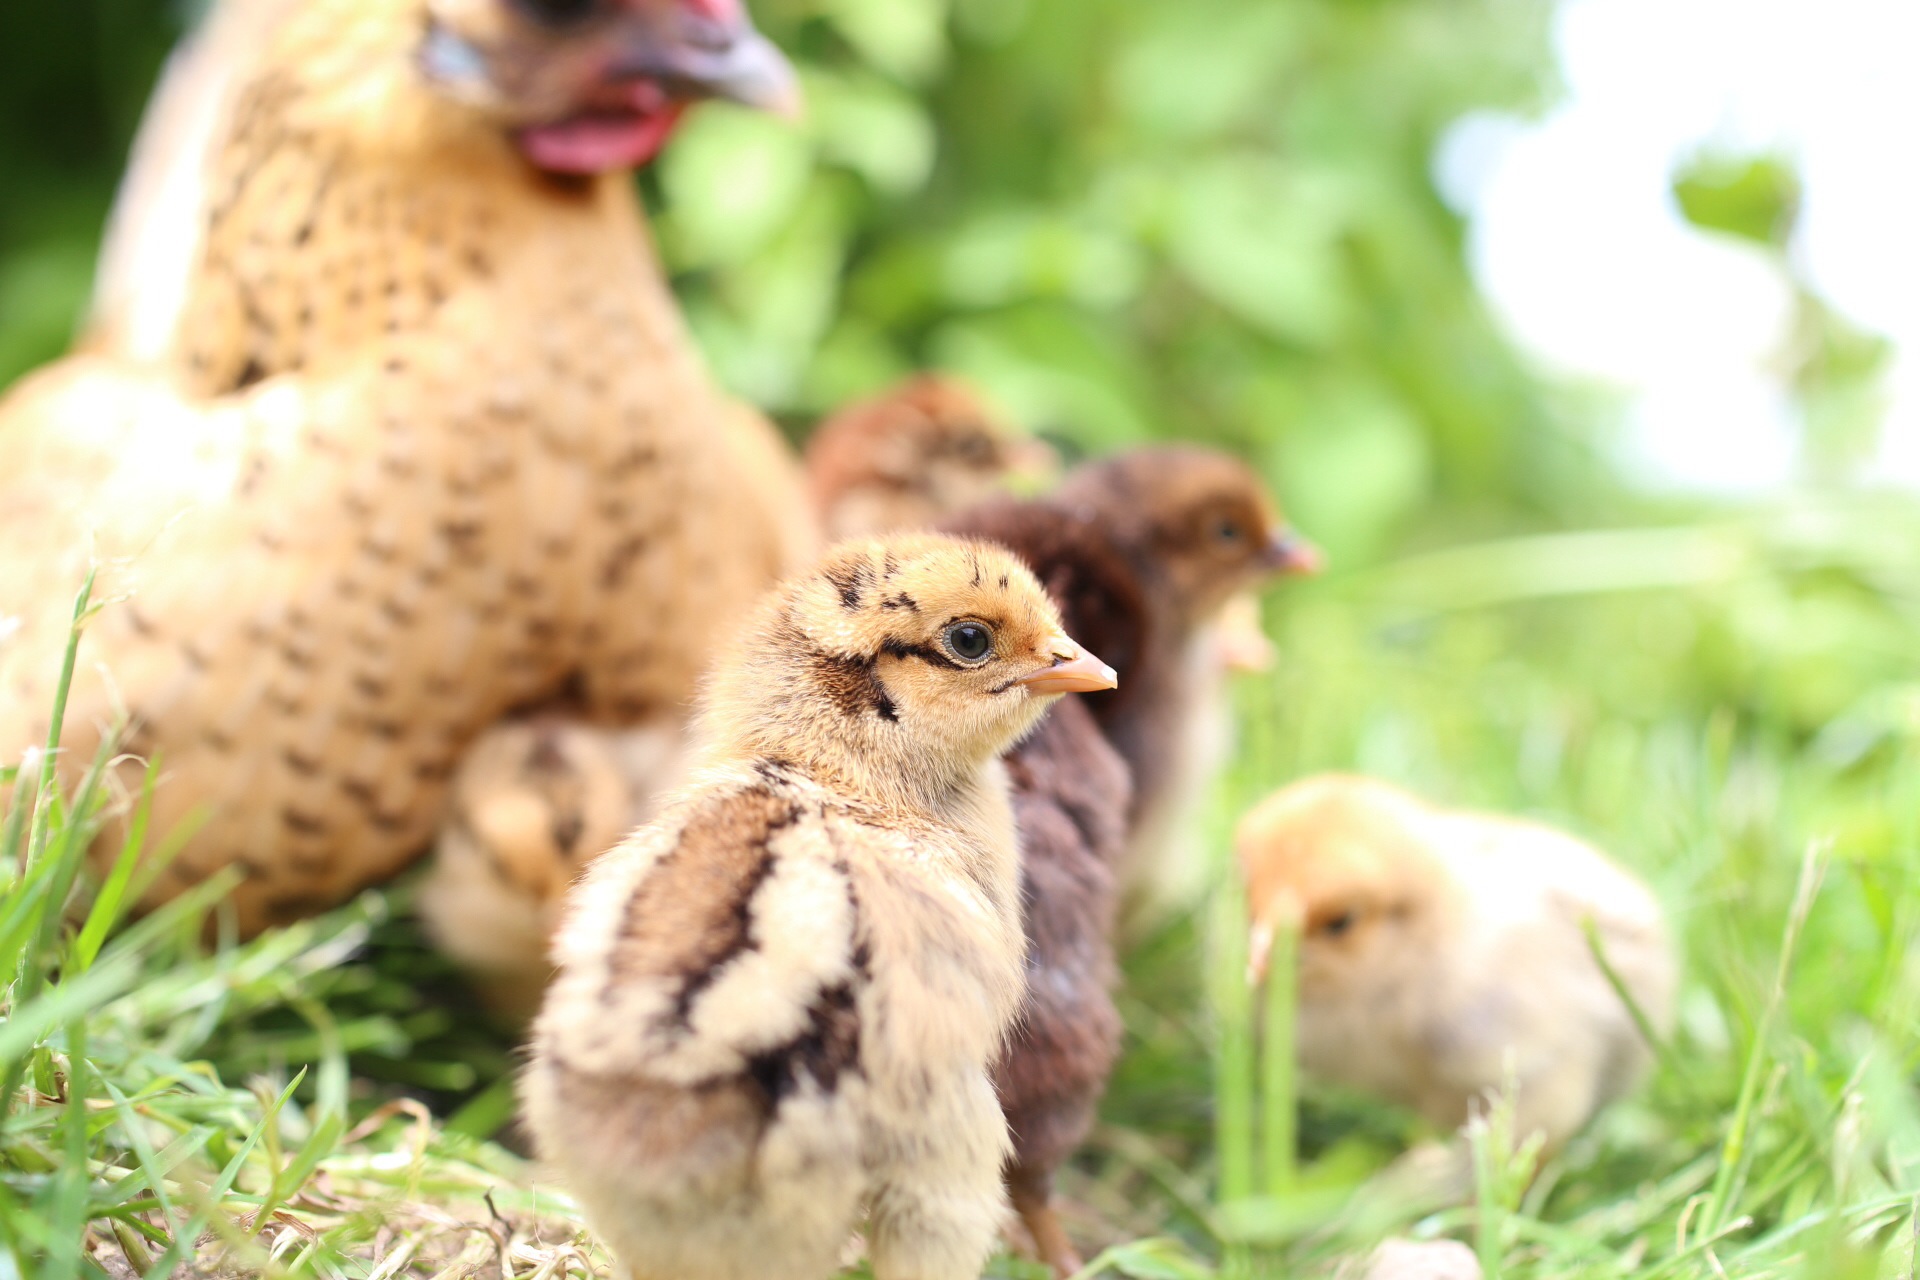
[[912, 455], [1198, 528], [1145, 585]]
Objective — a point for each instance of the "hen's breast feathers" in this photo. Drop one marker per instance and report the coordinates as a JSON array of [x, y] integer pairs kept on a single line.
[[370, 505]]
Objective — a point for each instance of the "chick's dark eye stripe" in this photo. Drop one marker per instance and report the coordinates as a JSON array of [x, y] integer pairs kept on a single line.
[[895, 648]]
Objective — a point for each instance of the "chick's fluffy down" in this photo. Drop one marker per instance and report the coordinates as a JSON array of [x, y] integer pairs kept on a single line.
[[767, 1017]]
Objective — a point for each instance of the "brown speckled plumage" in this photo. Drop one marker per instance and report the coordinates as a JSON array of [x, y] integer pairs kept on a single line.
[[424, 443]]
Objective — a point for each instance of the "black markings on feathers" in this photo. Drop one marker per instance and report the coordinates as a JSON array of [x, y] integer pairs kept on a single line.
[[854, 686], [851, 580], [829, 1045]]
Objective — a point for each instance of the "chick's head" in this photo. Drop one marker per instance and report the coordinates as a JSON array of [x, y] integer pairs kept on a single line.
[[1341, 861], [924, 449], [1200, 520], [593, 85], [903, 661]]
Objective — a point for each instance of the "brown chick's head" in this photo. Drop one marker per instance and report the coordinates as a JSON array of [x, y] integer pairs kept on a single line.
[[898, 666], [1337, 859], [922, 450], [594, 85], [1197, 521]]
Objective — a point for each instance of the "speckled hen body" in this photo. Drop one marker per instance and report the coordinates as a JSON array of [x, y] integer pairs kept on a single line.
[[423, 442]]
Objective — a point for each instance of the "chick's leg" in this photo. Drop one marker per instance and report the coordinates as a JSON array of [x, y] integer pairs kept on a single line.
[[1032, 1194], [937, 1211]]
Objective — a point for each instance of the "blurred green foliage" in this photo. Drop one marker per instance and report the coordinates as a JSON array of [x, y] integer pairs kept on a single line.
[[1129, 220]]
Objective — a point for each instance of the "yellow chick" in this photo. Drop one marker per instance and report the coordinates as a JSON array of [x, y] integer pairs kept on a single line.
[[777, 1003], [1442, 953], [397, 432]]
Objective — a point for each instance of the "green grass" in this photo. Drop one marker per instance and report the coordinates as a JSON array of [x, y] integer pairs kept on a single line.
[[1731, 705]]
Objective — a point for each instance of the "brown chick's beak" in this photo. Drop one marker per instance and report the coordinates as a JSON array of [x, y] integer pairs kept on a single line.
[[1290, 554], [1074, 670], [711, 50], [1239, 642], [1033, 465]]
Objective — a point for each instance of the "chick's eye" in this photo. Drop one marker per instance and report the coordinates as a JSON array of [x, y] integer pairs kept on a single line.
[[557, 13], [975, 448], [969, 641], [1335, 926], [1228, 530]]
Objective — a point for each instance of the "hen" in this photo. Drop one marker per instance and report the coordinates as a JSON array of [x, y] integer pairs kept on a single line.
[[1138, 590], [414, 436], [1443, 953], [777, 1002]]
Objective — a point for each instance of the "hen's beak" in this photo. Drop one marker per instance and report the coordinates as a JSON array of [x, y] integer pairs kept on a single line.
[[1074, 670], [1288, 553], [709, 49]]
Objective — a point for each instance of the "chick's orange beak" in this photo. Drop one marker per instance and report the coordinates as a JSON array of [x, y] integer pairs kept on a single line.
[[1074, 670], [1288, 553]]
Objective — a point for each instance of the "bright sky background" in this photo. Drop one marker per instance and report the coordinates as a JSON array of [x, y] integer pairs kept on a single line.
[[1579, 245]]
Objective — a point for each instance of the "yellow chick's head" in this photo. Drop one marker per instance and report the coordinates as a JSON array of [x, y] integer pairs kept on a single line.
[[903, 663], [596, 85], [1340, 860], [1199, 519]]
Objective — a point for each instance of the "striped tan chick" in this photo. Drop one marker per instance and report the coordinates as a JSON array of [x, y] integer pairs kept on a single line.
[[778, 1002]]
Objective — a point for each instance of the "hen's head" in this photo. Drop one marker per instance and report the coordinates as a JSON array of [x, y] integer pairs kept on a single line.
[[922, 450], [1343, 861], [1197, 522], [594, 85], [907, 660]]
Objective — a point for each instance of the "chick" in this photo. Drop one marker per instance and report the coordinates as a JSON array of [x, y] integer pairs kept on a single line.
[[1198, 529], [399, 433], [777, 1002], [902, 460], [1144, 596], [533, 803], [1443, 953]]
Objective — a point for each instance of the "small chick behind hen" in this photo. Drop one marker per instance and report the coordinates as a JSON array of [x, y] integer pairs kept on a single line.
[[777, 1002], [1442, 951]]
